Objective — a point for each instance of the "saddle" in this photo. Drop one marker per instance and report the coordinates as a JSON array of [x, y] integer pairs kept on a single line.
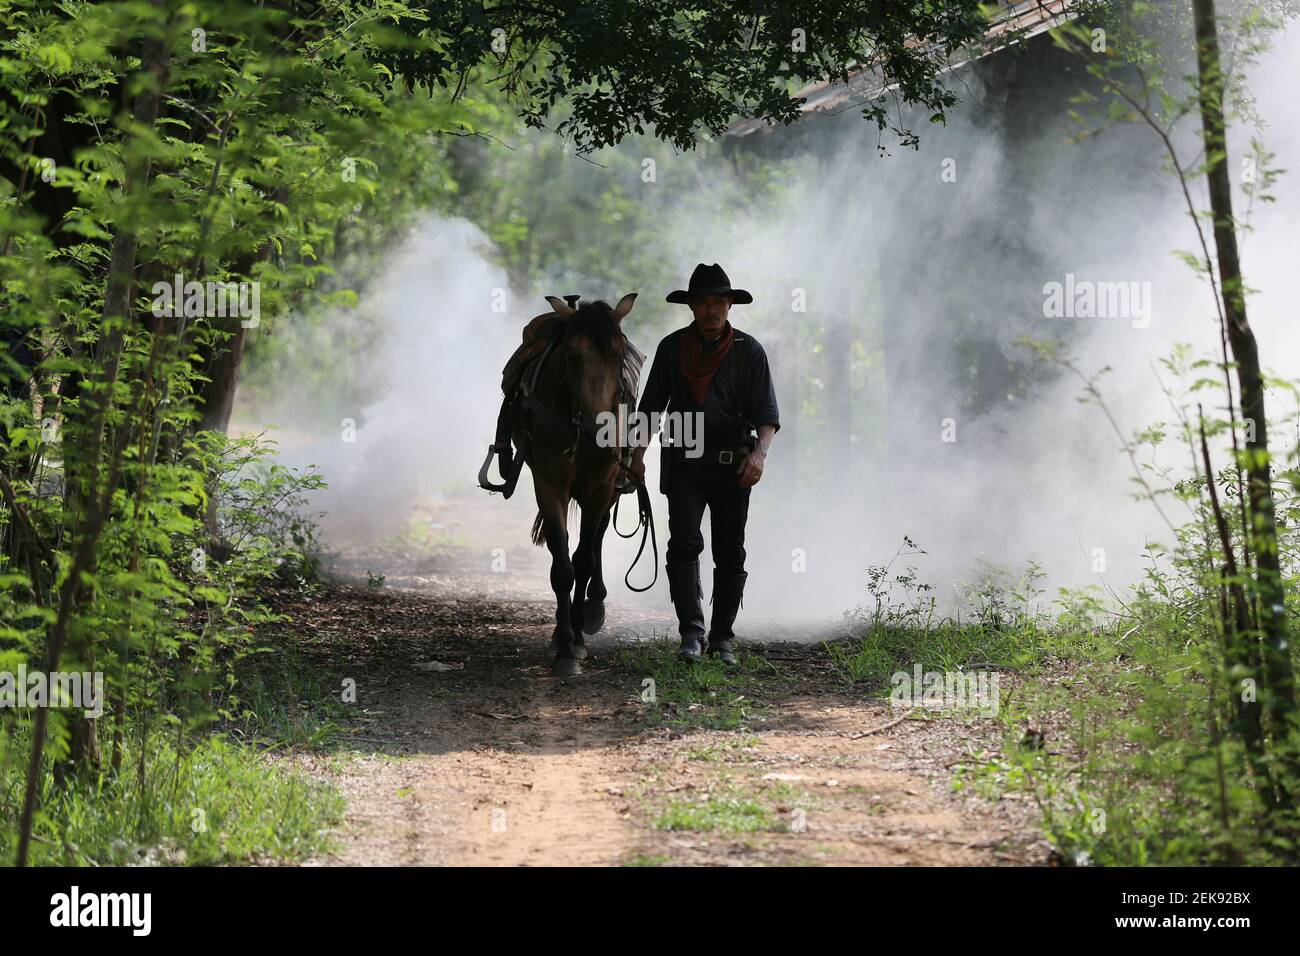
[[520, 407]]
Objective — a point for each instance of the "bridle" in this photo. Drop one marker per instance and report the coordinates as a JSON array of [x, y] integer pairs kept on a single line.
[[580, 426]]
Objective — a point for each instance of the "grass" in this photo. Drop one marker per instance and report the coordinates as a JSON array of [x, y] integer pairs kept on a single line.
[[216, 802], [733, 808], [734, 803], [1115, 723], [217, 795], [285, 698], [1107, 726], [721, 814], [1130, 770], [882, 649], [419, 533], [708, 695], [725, 751]]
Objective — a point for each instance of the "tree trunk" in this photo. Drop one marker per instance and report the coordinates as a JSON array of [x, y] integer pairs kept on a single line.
[[223, 375], [1279, 692]]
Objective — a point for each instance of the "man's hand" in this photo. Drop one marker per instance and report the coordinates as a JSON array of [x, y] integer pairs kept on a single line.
[[637, 465], [751, 469]]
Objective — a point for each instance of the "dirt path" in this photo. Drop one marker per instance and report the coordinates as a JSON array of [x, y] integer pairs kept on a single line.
[[491, 761], [462, 749]]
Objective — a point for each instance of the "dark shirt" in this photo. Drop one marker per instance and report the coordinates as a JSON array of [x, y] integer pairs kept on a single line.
[[724, 426]]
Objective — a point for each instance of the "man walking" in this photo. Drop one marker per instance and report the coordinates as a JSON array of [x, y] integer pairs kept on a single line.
[[712, 370]]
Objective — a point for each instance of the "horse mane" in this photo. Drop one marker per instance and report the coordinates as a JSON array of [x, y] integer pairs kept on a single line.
[[595, 320]]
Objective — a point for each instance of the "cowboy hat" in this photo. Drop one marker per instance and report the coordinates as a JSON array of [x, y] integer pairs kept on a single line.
[[709, 280]]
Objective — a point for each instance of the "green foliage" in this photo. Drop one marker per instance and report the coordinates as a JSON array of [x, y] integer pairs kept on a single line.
[[211, 803], [172, 625], [280, 699], [1137, 769], [1213, 728], [900, 627], [139, 147], [262, 511], [717, 813], [1140, 700], [678, 69]]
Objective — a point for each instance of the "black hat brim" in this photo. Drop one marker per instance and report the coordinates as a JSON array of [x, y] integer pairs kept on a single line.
[[683, 297]]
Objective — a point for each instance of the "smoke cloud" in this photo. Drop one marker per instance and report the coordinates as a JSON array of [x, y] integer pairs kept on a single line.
[[907, 406]]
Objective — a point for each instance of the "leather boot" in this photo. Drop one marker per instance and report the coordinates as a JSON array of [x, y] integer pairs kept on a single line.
[[688, 597], [728, 591]]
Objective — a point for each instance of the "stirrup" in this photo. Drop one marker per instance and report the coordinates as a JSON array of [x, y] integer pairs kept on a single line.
[[510, 470]]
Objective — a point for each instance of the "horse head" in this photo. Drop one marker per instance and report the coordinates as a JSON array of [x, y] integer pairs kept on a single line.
[[593, 349]]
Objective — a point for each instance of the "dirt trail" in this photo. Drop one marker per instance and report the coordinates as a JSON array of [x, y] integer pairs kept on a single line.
[[464, 750], [495, 762]]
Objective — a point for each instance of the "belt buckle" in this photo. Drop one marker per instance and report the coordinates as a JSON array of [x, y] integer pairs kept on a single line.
[[726, 457]]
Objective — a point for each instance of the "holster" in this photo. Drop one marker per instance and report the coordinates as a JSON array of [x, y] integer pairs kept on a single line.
[[665, 467]]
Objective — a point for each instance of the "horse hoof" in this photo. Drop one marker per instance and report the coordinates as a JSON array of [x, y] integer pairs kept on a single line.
[[593, 618], [580, 651], [566, 667]]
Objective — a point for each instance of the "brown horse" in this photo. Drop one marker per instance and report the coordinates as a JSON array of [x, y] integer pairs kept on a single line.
[[581, 377]]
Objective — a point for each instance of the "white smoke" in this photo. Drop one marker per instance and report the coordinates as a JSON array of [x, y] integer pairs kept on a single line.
[[1038, 478]]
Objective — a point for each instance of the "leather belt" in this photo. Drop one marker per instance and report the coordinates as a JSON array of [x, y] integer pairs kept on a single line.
[[726, 456]]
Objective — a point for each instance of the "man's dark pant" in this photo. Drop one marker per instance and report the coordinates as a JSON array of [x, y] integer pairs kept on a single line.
[[691, 487]]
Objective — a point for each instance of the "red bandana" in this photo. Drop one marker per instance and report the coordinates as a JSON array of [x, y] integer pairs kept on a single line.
[[697, 365]]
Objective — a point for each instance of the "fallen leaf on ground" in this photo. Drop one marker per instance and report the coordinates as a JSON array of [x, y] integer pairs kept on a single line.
[[427, 667]]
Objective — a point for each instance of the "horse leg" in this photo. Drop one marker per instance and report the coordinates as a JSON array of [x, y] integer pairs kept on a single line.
[[593, 612], [583, 562], [555, 527]]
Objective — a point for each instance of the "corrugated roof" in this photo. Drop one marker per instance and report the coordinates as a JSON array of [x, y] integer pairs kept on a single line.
[[1018, 21]]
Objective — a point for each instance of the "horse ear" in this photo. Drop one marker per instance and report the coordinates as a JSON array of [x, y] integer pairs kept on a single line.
[[624, 306], [560, 306]]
